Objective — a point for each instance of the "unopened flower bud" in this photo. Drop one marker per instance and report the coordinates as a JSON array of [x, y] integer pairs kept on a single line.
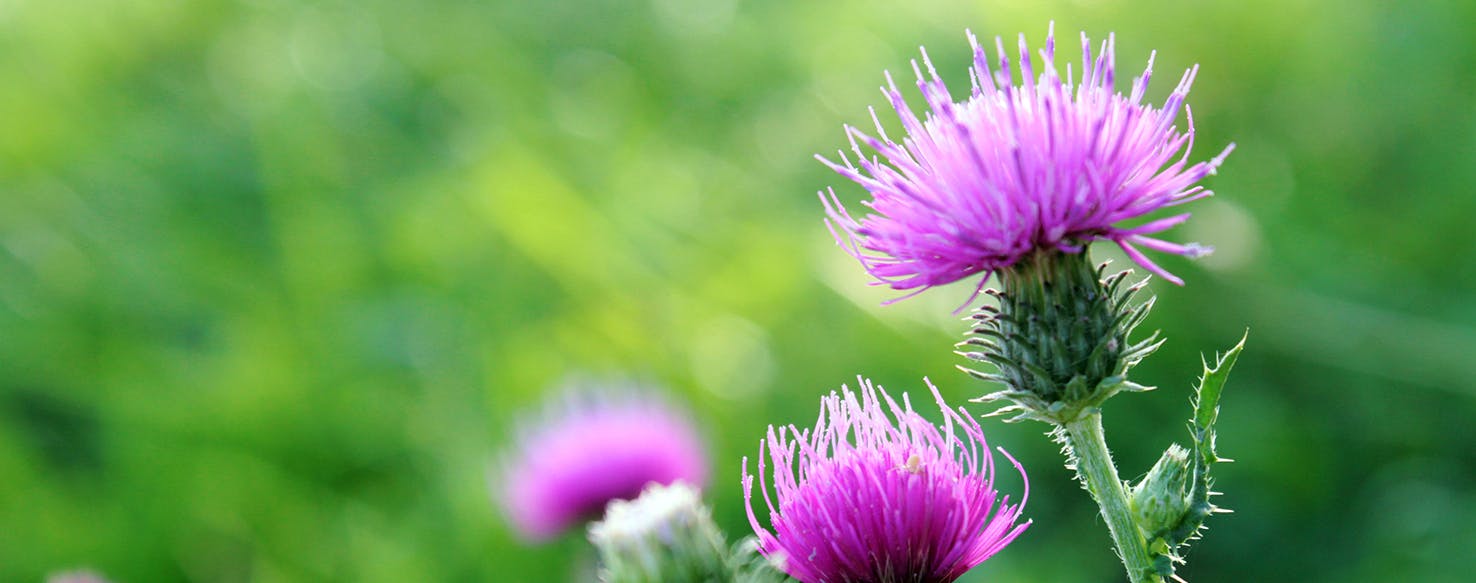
[[1161, 499], [666, 534]]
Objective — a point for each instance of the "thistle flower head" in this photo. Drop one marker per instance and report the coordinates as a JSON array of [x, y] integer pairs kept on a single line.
[[876, 493], [597, 445], [1051, 164]]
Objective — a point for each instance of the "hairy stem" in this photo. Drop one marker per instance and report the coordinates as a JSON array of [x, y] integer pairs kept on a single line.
[[1095, 468]]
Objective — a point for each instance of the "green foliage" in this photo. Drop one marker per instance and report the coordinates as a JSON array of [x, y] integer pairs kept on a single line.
[[278, 277]]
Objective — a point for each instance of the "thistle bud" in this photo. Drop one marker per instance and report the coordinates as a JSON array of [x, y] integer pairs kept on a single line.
[[1161, 500], [666, 534]]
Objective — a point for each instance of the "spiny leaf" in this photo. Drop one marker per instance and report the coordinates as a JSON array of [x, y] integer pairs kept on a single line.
[[1207, 400]]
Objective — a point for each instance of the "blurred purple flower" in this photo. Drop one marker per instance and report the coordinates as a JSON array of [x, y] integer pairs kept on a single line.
[[861, 498], [1050, 164], [597, 445]]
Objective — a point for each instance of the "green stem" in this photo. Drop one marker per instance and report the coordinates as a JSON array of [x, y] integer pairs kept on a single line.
[[1094, 466]]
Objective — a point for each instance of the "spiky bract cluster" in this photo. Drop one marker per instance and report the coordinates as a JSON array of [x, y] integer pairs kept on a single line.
[[1059, 337], [867, 498]]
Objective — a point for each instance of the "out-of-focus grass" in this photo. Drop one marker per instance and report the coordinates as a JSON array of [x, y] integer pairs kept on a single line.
[[276, 278]]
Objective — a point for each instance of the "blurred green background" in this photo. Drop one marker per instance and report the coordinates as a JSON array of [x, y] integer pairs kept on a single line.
[[276, 278]]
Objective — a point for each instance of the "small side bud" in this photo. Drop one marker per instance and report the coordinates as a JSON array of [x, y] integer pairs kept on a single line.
[[1161, 499], [1168, 539]]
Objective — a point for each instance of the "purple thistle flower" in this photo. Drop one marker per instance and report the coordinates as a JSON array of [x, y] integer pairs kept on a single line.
[[598, 445], [863, 499], [1051, 164]]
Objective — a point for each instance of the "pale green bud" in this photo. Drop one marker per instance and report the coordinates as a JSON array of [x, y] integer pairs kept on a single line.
[[667, 536], [664, 535], [1161, 499]]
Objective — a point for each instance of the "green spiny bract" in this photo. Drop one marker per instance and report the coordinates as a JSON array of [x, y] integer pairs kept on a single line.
[[1172, 501], [749, 566], [1059, 337]]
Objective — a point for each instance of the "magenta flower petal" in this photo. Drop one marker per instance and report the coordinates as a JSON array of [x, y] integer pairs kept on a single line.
[[1053, 163], [865, 497], [596, 446]]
